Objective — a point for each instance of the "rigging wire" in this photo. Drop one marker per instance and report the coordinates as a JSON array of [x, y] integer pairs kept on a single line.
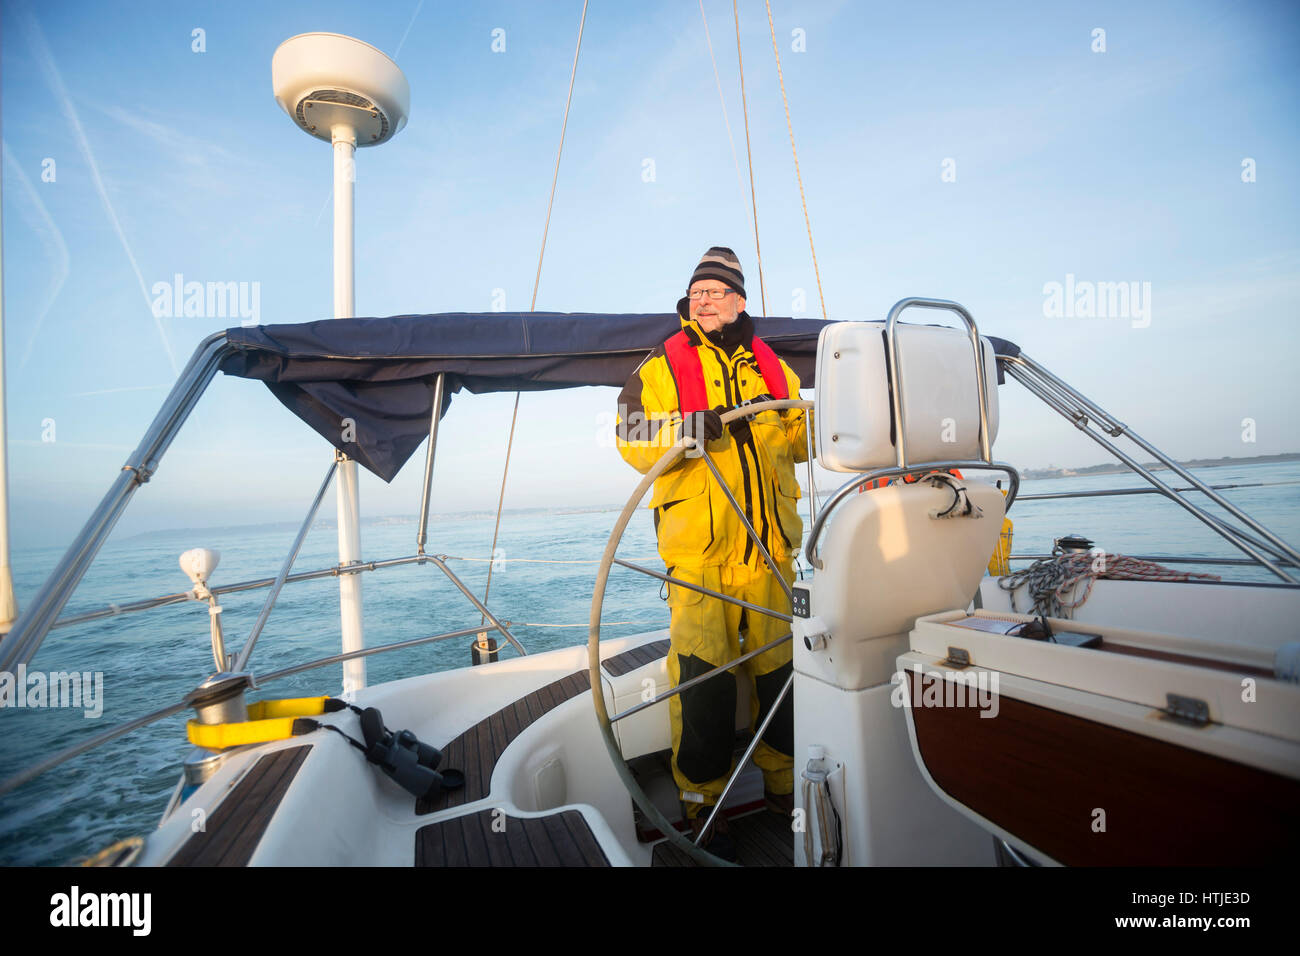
[[726, 120], [762, 291], [532, 306], [817, 272]]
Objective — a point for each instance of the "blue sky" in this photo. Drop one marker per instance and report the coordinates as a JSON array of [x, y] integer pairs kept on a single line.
[[1117, 166]]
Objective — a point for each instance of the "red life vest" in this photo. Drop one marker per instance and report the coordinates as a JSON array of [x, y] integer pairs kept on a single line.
[[688, 372], [907, 479]]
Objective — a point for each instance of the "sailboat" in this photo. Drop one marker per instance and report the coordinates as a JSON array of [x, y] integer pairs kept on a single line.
[[938, 721]]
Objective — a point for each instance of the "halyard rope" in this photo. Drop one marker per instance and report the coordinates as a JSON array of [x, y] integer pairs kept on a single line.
[[798, 177], [762, 291], [725, 120], [532, 306]]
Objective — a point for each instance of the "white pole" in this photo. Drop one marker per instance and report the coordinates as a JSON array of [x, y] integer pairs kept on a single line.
[[349, 498], [8, 605]]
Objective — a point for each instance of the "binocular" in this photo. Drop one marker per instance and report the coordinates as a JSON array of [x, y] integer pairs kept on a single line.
[[410, 762]]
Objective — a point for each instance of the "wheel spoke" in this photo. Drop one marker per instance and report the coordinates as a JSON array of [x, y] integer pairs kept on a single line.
[[753, 535], [749, 752], [701, 678], [780, 615]]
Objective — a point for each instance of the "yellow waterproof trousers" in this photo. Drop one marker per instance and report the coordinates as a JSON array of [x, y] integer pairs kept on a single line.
[[705, 633]]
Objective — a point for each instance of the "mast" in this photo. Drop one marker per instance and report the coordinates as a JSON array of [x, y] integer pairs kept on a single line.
[[346, 92]]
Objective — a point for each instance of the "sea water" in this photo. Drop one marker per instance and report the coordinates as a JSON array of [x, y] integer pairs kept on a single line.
[[541, 582]]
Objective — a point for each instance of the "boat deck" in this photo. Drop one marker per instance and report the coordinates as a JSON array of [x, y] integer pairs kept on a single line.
[[492, 838], [480, 835], [762, 839], [232, 833], [477, 750]]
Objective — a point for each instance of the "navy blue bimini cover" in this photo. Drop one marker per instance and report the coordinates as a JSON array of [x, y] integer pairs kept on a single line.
[[380, 372]]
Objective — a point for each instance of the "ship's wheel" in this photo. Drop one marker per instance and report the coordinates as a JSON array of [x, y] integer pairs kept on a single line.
[[608, 560]]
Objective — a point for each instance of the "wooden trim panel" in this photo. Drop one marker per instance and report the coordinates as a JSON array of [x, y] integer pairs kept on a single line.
[[1041, 774], [1232, 666]]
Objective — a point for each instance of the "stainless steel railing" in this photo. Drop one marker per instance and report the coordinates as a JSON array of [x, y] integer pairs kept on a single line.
[[1267, 549], [22, 642], [25, 638]]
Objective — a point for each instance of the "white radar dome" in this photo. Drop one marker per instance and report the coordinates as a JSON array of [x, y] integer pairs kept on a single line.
[[324, 80]]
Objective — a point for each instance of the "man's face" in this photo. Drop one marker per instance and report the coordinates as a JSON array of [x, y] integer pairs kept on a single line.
[[713, 314]]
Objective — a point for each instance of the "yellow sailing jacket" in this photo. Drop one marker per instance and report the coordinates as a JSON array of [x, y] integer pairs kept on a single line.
[[696, 525]]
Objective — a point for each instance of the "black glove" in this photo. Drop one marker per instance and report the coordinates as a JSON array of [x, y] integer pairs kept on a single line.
[[704, 425]]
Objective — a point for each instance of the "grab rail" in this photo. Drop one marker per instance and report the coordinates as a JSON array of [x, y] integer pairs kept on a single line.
[[1082, 412], [857, 481]]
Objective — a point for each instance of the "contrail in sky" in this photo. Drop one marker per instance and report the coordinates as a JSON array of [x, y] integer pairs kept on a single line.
[[55, 238], [55, 80], [408, 29]]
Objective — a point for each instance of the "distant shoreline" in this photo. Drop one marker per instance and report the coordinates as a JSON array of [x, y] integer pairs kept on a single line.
[[329, 523], [1114, 468]]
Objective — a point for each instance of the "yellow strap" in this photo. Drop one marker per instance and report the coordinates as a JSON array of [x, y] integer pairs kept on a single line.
[[267, 720], [289, 707]]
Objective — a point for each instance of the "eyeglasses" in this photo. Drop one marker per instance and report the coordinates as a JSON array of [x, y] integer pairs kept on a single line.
[[714, 294]]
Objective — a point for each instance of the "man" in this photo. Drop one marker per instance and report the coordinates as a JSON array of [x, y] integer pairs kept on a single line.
[[714, 364]]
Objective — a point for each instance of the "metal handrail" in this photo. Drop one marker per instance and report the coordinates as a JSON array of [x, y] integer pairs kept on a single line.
[[334, 571], [167, 600], [896, 391], [22, 777], [1162, 559], [1121, 428], [24, 639], [1057, 395], [1277, 556], [857, 481], [1107, 492], [22, 642]]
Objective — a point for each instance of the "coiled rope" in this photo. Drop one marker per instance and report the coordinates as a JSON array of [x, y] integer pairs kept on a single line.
[[1050, 581]]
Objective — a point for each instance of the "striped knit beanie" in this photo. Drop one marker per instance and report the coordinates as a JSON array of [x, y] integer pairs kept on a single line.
[[720, 263]]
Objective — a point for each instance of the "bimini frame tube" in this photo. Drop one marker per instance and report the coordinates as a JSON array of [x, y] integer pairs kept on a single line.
[[422, 536], [1115, 428], [241, 662], [1035, 380], [20, 645]]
